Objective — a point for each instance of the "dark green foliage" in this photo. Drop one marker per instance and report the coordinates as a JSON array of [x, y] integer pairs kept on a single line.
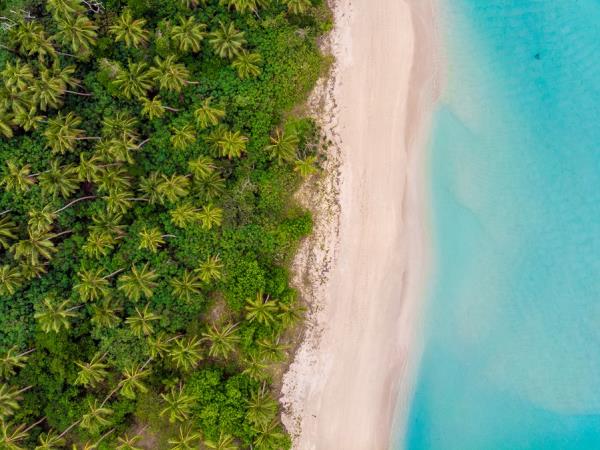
[[125, 255]]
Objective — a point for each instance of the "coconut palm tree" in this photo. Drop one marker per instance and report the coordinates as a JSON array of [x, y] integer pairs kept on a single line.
[[59, 180], [113, 179], [120, 125], [88, 168], [37, 245], [130, 31], [92, 373], [269, 435], [62, 8], [55, 316], [134, 82], [173, 188], [127, 442], [187, 439], [272, 349], [186, 353], [78, 32], [17, 178], [62, 133], [290, 314], [47, 90], [222, 340], [50, 441], [26, 118], [178, 405], [261, 310], [96, 417], [247, 64], [12, 360], [211, 269], [6, 123], [153, 108], [306, 166], [188, 34], [92, 284], [191, 4], [17, 77], [41, 220], [132, 381], [241, 6], [138, 283], [30, 270], [212, 186], [186, 286], [98, 244], [262, 408], [183, 137], [108, 222], [232, 144], [10, 435], [169, 74], [148, 186], [141, 321], [283, 146], [151, 239], [255, 366], [297, 6], [211, 216], [207, 115], [225, 442], [7, 231], [31, 39], [227, 41], [202, 166], [118, 149], [10, 279], [184, 215], [159, 345], [9, 399], [119, 201], [105, 313]]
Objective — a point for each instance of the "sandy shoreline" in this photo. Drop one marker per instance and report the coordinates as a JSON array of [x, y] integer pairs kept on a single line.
[[363, 272]]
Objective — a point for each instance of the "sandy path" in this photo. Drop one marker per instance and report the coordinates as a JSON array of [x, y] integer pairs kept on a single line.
[[343, 386]]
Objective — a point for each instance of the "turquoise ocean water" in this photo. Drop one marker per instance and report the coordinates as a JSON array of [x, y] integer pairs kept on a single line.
[[512, 350]]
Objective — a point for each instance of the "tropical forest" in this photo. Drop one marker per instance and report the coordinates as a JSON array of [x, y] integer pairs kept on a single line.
[[150, 151]]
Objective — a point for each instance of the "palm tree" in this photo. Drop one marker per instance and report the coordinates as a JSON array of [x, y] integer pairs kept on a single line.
[[7, 231], [108, 222], [269, 435], [128, 443], [6, 123], [283, 146], [59, 180], [88, 168], [98, 244], [297, 6], [27, 118], [104, 314], [225, 442], [272, 349], [92, 284], [113, 179], [169, 74], [262, 408], [17, 77], [261, 310], [159, 345], [183, 137], [119, 201], [211, 216], [306, 167], [10, 279], [202, 166], [92, 373], [132, 381], [62, 8], [178, 405], [10, 437], [129, 30], [141, 321], [153, 108], [134, 82], [30, 270], [212, 186], [211, 269], [13, 360], [62, 133], [31, 39], [246, 65], [188, 35], [121, 125], [232, 144], [186, 286], [50, 441], [186, 353], [41, 220], [207, 115], [37, 245], [16, 178], [186, 440], [9, 399], [96, 417], [78, 32], [255, 366], [47, 90], [151, 239], [173, 188], [290, 314], [55, 316], [241, 6], [191, 4], [138, 283], [227, 41], [184, 215], [222, 340]]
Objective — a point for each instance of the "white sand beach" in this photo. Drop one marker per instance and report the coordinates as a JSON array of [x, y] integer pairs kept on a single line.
[[364, 271]]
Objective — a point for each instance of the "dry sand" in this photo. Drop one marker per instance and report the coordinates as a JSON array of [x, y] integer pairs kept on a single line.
[[363, 273]]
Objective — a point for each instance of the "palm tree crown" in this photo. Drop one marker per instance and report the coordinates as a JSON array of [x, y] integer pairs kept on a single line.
[[130, 31], [138, 283], [227, 41], [188, 34]]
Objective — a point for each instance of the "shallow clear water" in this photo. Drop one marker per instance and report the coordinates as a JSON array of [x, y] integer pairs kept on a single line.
[[512, 353]]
